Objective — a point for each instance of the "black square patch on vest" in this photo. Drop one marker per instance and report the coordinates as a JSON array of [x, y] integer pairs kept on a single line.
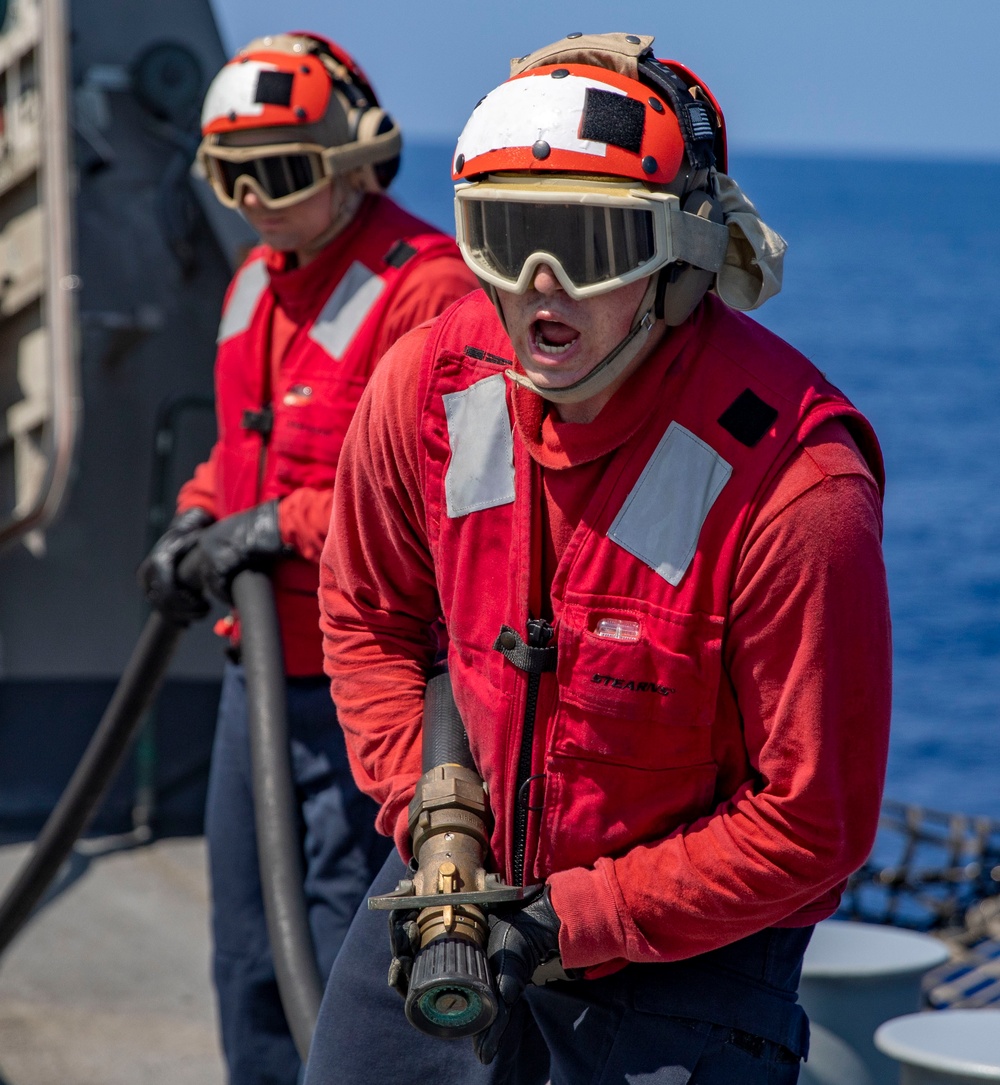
[[400, 252], [274, 88], [748, 418], [613, 118]]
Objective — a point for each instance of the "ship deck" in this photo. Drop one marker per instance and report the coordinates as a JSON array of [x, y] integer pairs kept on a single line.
[[108, 984]]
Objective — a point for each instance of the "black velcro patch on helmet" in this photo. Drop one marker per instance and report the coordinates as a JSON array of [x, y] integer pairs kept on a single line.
[[613, 118], [486, 356], [748, 418], [274, 88], [400, 252]]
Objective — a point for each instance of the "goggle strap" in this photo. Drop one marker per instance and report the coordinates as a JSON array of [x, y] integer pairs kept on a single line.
[[699, 241], [351, 156]]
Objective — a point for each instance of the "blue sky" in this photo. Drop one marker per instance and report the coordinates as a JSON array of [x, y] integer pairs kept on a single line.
[[894, 77]]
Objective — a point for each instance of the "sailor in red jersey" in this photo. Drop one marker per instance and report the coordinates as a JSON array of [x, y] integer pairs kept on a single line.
[[651, 531], [294, 137]]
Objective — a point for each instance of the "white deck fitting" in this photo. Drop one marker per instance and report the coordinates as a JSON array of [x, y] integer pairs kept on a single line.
[[854, 977], [944, 1047]]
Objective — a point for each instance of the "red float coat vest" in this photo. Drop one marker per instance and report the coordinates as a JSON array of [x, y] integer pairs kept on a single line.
[[280, 431], [637, 730]]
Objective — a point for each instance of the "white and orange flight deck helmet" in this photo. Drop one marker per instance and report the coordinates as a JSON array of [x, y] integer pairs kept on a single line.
[[290, 114], [608, 166]]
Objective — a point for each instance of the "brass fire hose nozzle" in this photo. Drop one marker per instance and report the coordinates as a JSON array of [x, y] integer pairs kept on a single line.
[[450, 991]]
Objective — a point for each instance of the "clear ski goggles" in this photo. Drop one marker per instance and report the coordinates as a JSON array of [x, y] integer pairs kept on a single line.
[[595, 235], [281, 175]]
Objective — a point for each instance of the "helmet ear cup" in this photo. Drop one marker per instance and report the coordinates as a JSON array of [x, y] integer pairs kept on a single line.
[[681, 286], [365, 125]]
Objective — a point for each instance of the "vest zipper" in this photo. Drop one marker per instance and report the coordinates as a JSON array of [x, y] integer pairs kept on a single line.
[[539, 635], [266, 412], [265, 438]]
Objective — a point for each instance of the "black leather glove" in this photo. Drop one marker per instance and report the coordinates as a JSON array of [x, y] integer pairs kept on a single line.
[[519, 942], [245, 540], [157, 575], [404, 937]]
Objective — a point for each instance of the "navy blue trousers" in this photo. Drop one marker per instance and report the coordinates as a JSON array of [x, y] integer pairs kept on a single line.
[[723, 1018], [341, 854]]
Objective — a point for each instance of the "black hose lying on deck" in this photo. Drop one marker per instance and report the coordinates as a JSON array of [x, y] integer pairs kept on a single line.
[[134, 693], [276, 809]]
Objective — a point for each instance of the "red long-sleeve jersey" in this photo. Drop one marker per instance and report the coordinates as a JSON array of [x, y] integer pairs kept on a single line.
[[806, 663], [296, 348]]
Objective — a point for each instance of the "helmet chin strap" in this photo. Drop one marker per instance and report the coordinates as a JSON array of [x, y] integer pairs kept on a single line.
[[350, 201], [351, 198], [612, 367]]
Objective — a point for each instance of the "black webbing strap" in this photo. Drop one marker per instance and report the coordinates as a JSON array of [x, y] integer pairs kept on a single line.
[[522, 655], [261, 421], [695, 116]]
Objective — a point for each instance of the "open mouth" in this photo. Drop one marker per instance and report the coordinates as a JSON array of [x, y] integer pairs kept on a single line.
[[552, 337]]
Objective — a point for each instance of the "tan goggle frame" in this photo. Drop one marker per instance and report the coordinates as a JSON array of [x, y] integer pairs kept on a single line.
[[677, 236], [326, 163]]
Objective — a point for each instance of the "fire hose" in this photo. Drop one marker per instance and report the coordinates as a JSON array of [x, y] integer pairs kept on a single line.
[[450, 990], [276, 816]]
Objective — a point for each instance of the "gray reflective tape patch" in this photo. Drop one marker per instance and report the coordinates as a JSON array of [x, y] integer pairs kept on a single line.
[[480, 474], [346, 309], [250, 284], [663, 515]]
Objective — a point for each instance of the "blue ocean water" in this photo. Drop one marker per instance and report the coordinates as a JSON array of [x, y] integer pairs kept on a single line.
[[892, 287]]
